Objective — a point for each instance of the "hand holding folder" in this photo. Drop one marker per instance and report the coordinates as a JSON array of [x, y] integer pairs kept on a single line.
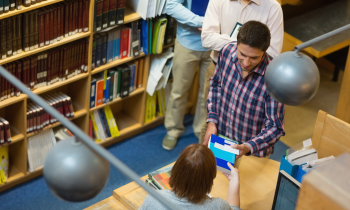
[[223, 152]]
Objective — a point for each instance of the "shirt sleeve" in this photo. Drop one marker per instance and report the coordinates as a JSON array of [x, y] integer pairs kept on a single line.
[[211, 36], [214, 94], [263, 144], [175, 9], [275, 24]]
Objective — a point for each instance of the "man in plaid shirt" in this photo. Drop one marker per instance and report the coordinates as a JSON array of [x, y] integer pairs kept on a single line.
[[239, 106]]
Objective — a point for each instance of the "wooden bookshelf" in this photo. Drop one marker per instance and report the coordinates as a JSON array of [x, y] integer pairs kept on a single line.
[[129, 111], [27, 9]]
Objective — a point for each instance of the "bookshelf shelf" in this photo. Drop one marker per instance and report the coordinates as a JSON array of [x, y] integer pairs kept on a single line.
[[42, 49], [115, 63], [14, 174], [77, 114], [17, 138], [12, 100], [61, 83], [27, 9], [135, 92]]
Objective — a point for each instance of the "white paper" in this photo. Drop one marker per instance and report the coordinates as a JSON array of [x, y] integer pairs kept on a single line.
[[307, 143], [219, 146], [229, 149]]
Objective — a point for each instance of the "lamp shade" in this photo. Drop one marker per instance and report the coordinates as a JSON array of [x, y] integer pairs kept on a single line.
[[73, 172], [292, 78]]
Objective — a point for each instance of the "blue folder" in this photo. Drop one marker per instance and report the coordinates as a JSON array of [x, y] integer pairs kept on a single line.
[[199, 7], [221, 156]]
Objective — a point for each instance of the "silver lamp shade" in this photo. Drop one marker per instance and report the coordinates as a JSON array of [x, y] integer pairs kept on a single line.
[[73, 172], [292, 78]]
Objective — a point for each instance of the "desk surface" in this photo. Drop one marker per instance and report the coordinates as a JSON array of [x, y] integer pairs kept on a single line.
[[258, 177], [318, 22]]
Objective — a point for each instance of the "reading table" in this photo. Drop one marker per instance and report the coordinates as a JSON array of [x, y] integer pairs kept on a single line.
[[258, 177]]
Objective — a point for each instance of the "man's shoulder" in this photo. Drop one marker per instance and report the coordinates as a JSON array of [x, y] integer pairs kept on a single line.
[[229, 48], [272, 4]]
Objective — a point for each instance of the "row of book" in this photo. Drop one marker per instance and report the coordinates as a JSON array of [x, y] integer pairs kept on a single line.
[[116, 82], [38, 118], [46, 68], [160, 178], [43, 26], [118, 43], [38, 147], [11, 5], [4, 164], [108, 13], [104, 124], [155, 105]]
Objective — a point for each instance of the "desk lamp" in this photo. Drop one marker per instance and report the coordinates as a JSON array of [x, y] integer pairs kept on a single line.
[[77, 169], [293, 78]]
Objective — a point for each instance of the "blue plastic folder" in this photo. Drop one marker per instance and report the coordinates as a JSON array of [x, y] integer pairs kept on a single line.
[[221, 156]]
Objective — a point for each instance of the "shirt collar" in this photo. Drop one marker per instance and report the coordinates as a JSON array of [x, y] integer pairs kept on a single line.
[[255, 1]]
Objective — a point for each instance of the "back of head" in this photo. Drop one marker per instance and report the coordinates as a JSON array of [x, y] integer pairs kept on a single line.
[[193, 173], [254, 34]]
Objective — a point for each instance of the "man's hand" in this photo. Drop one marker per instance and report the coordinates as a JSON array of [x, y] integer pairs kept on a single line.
[[243, 149], [211, 129]]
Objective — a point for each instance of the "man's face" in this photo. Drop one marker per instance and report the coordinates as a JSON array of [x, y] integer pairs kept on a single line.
[[248, 57]]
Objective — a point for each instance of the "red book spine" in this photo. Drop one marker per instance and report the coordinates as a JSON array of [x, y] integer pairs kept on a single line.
[[86, 55], [62, 20], [66, 19], [51, 26], [18, 75], [41, 29], [86, 15], [124, 43], [32, 73], [71, 19], [47, 27], [80, 16], [76, 16], [48, 68], [54, 25], [38, 72], [59, 35]]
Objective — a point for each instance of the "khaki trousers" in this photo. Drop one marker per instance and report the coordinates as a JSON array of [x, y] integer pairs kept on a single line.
[[186, 63], [208, 74]]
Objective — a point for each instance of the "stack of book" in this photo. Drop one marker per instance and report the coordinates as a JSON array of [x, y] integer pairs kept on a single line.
[[104, 124], [159, 179], [38, 148], [108, 13], [155, 105], [5, 132], [43, 26], [116, 82], [38, 118], [47, 68], [4, 164]]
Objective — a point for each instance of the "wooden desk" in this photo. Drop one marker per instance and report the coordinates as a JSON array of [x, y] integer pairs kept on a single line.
[[318, 22], [258, 177]]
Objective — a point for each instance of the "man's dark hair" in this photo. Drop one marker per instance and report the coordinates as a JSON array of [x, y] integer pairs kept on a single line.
[[254, 34]]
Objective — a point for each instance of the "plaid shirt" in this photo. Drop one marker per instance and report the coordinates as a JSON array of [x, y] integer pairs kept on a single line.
[[240, 107]]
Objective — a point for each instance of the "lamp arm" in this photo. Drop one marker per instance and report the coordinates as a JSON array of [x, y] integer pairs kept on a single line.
[[124, 169], [320, 38]]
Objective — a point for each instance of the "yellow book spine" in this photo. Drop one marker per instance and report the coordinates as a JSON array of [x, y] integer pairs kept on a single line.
[[96, 132], [115, 126], [109, 122], [163, 99], [159, 99], [148, 108], [4, 164], [154, 103]]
